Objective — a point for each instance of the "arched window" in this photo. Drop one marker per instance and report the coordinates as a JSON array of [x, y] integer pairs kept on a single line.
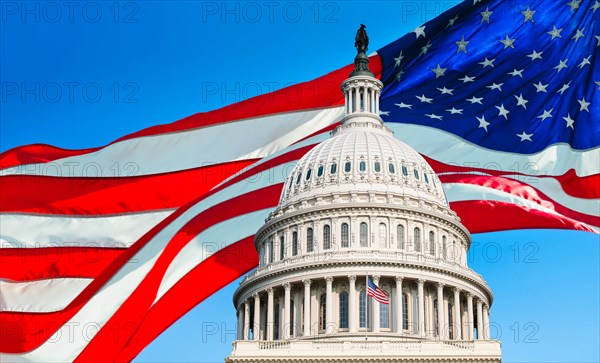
[[326, 237], [271, 251], [362, 166], [345, 235], [377, 167], [320, 171], [343, 310], [364, 235], [308, 174], [298, 178], [431, 243], [281, 248], [416, 172], [276, 330], [362, 309], [426, 178], [309, 240], [384, 315], [417, 235], [348, 166], [333, 168], [382, 235], [400, 236], [405, 311], [404, 170], [294, 243], [444, 248], [391, 168], [322, 312]]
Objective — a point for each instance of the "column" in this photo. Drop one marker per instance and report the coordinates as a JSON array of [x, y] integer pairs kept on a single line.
[[246, 334], [270, 314], [457, 320], [479, 319], [256, 320], [329, 325], [486, 323], [420, 297], [440, 312], [306, 307], [286, 310], [356, 100], [399, 307], [470, 316], [376, 306], [240, 323], [297, 312], [352, 310]]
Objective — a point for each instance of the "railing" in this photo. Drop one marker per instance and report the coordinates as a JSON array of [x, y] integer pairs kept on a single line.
[[273, 345]]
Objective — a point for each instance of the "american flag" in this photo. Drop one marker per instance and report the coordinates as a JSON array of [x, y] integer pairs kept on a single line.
[[501, 97], [376, 293]]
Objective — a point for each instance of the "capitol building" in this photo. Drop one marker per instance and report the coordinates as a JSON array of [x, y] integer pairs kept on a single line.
[[363, 203]]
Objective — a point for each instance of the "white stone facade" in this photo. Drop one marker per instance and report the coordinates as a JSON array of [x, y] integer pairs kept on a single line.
[[363, 203]]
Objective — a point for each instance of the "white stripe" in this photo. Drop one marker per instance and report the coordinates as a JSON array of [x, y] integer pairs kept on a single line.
[[245, 139], [552, 188], [450, 149], [40, 296], [26, 230], [110, 297]]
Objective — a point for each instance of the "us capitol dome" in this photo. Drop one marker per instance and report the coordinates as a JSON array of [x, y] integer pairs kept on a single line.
[[363, 203]]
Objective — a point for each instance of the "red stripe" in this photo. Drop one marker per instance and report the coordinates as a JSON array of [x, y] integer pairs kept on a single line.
[[577, 186], [111, 195], [319, 93], [522, 190], [22, 332], [481, 216], [27, 264]]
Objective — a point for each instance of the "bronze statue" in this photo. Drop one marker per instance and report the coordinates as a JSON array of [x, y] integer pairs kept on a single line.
[[361, 41]]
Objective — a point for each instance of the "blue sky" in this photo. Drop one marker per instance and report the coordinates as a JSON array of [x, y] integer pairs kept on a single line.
[[78, 76]]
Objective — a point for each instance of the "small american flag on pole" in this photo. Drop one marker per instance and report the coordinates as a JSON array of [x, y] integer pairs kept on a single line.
[[376, 293]]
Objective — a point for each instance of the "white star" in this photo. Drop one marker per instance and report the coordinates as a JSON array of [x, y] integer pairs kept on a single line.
[[445, 91], [525, 136], [384, 113], [555, 33], [574, 4], [487, 63], [485, 15], [578, 34], [496, 86], [564, 88], [424, 99], [517, 73], [528, 14], [598, 84], [452, 21], [462, 45], [508, 42], [535, 55], [399, 59], [521, 101], [474, 100], [596, 6], [546, 114], [562, 64], [569, 120], [420, 31], [583, 105], [467, 79], [598, 39], [455, 111], [483, 124], [399, 75], [425, 48], [540, 87], [439, 72], [403, 105], [503, 111], [476, 1], [434, 116], [584, 62]]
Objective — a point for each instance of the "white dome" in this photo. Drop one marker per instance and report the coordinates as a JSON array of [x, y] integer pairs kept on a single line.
[[363, 157]]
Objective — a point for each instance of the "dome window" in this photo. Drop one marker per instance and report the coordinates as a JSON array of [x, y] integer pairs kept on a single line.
[[362, 166], [298, 178], [404, 170], [416, 172], [308, 174], [320, 171], [426, 178], [391, 168], [333, 168], [348, 166], [377, 167]]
